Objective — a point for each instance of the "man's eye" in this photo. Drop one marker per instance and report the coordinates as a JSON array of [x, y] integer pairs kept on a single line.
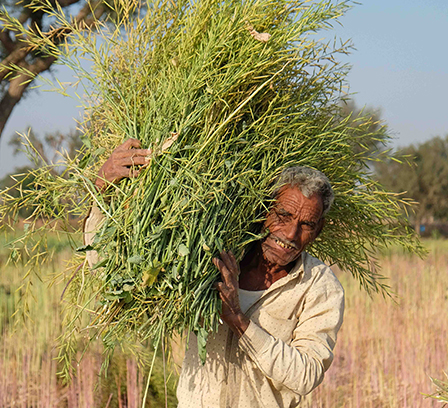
[[308, 227]]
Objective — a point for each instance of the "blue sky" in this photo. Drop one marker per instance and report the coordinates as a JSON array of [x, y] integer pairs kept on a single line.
[[400, 65]]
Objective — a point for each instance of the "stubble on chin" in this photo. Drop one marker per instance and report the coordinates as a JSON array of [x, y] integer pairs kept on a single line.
[[270, 254]]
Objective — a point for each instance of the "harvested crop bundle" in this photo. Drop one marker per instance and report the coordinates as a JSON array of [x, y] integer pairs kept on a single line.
[[241, 90]]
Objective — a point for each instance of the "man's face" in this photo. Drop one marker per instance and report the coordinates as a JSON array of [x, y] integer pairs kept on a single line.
[[294, 222]]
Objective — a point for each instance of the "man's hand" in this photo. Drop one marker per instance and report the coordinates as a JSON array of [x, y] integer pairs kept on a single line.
[[228, 292], [122, 162]]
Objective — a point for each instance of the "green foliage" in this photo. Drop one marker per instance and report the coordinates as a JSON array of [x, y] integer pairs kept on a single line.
[[441, 394], [50, 148], [20, 181], [376, 146], [420, 173], [240, 107]]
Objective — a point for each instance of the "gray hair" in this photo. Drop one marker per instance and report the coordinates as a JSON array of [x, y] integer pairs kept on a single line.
[[309, 182]]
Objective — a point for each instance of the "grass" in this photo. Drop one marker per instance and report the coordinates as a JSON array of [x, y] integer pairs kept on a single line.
[[238, 110], [388, 351], [28, 351], [385, 355]]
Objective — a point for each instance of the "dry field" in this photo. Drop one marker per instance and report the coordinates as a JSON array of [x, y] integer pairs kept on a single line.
[[28, 369], [386, 352]]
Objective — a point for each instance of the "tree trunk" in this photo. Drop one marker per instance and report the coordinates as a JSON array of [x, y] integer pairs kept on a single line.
[[10, 100], [17, 51], [17, 87]]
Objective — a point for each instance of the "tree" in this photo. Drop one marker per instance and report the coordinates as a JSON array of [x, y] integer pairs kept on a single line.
[[20, 63], [420, 173]]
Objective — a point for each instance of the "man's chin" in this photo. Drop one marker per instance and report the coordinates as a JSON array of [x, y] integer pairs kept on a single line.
[[279, 260]]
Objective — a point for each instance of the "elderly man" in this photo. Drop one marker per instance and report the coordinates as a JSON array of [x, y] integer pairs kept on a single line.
[[281, 307]]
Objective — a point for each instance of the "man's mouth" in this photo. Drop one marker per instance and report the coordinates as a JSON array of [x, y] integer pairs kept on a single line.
[[283, 244]]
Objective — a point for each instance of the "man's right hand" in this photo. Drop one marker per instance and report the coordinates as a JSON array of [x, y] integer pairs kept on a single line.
[[122, 162]]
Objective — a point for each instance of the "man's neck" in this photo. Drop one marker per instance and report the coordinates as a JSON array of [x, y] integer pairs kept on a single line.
[[257, 273]]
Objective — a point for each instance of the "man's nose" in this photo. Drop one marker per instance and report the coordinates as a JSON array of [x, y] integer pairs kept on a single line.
[[293, 231]]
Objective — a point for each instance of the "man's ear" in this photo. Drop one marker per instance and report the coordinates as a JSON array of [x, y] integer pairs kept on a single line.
[[320, 226]]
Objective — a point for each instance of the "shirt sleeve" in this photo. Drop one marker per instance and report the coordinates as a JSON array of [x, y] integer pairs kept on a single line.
[[300, 365], [91, 224]]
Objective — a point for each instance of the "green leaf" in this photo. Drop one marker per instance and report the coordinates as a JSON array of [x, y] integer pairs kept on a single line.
[[86, 141], [99, 151], [111, 296], [100, 264], [84, 248], [127, 297], [202, 336], [136, 259], [83, 162], [219, 244], [150, 275], [183, 250], [127, 287]]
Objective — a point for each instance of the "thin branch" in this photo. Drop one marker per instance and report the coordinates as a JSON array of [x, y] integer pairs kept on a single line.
[[64, 3], [87, 17]]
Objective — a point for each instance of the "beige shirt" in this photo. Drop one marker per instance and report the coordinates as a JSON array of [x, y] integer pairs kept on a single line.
[[282, 355], [284, 352]]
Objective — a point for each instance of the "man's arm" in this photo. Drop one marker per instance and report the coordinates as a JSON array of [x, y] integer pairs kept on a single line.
[[120, 164], [228, 292], [300, 366], [127, 160]]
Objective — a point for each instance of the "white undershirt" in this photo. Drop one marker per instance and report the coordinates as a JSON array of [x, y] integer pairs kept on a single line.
[[249, 297]]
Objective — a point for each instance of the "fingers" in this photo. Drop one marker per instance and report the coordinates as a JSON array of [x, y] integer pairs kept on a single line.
[[132, 153], [132, 161], [230, 262], [229, 273], [126, 172], [233, 260], [227, 268], [222, 268], [131, 142], [223, 291], [220, 286]]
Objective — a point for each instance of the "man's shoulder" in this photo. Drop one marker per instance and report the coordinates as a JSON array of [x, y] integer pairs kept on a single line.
[[318, 274]]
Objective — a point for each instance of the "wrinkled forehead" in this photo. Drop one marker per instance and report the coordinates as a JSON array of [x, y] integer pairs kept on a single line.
[[292, 199]]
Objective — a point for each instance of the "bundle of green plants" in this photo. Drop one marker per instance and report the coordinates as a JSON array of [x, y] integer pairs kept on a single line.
[[241, 90]]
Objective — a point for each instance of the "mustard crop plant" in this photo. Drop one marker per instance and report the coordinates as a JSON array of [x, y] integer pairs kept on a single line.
[[243, 89]]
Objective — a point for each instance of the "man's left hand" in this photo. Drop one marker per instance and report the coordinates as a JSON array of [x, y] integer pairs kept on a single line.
[[228, 292]]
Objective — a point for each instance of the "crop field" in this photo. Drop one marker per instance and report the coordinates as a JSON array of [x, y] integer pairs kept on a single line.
[[387, 350], [28, 368]]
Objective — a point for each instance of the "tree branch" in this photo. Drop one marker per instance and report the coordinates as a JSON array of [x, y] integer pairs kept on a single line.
[[7, 42], [64, 3], [13, 58]]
